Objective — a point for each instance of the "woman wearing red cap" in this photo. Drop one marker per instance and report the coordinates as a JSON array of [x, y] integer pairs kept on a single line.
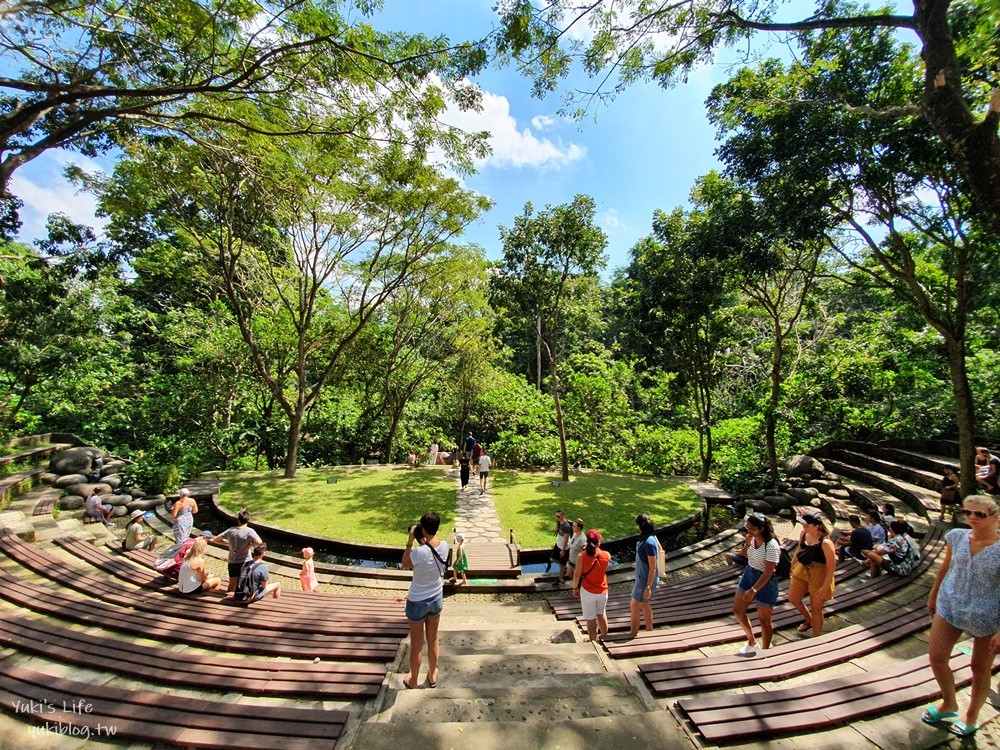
[[590, 584]]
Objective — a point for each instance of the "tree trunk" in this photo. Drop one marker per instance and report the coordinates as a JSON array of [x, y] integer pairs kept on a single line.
[[771, 414], [390, 439], [560, 426], [965, 415], [294, 431], [538, 351]]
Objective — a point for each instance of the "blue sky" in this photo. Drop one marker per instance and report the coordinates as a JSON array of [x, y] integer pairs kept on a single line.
[[641, 153]]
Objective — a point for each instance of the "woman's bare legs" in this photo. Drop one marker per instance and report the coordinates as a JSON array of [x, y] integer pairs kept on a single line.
[[982, 678], [740, 604], [766, 629], [433, 649], [416, 649], [944, 636]]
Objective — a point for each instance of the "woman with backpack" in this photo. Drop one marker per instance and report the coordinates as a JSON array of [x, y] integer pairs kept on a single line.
[[898, 555], [590, 584], [425, 600], [758, 583]]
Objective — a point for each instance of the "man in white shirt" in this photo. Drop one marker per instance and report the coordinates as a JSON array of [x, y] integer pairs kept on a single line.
[[485, 462]]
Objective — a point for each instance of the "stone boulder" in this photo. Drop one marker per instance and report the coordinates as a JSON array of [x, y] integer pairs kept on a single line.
[[112, 480], [840, 493], [116, 500], [86, 489], [823, 485], [779, 502], [72, 502], [804, 494], [112, 467], [74, 460], [142, 504], [157, 499], [118, 511], [796, 466], [133, 491], [68, 480], [48, 478], [760, 506]]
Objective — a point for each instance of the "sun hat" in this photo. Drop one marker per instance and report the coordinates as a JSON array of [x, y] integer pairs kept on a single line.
[[208, 533], [184, 491], [135, 514]]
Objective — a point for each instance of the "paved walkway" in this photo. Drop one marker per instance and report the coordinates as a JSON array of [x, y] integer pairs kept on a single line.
[[475, 514]]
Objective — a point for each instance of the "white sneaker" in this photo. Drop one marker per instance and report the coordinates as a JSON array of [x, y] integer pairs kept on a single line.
[[747, 650]]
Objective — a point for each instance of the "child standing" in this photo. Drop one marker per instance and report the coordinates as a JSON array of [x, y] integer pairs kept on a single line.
[[308, 573], [461, 561]]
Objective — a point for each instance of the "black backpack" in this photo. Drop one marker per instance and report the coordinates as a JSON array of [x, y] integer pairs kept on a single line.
[[244, 584], [784, 567]]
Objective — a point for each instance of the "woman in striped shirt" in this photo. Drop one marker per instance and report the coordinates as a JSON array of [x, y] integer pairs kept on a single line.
[[758, 583]]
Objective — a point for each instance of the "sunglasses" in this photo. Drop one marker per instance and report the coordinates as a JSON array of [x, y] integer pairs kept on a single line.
[[967, 512]]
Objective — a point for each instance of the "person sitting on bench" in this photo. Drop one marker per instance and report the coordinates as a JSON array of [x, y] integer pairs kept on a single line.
[[252, 585], [857, 541]]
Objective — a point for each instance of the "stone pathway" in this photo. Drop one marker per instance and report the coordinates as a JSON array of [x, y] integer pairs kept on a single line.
[[476, 515]]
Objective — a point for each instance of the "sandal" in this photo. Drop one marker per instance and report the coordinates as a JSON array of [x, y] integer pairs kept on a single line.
[[961, 729], [407, 685], [932, 715], [804, 627]]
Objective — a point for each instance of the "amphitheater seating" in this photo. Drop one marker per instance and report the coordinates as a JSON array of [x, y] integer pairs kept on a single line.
[[192, 670], [787, 660], [119, 564], [191, 629], [819, 705], [649, 643], [327, 621], [44, 507], [141, 715]]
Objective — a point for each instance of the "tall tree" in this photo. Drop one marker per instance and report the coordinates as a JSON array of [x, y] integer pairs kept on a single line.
[[881, 191], [664, 41], [548, 272], [94, 75]]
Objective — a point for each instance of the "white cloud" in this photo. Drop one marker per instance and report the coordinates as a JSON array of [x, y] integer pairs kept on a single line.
[[611, 221], [44, 189], [541, 122], [513, 146]]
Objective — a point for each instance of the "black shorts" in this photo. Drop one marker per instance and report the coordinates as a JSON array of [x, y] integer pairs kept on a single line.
[[234, 570], [557, 554], [201, 587]]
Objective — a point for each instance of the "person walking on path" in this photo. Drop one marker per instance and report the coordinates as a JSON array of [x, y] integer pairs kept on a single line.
[[812, 572], [560, 550], [485, 462], [477, 454], [758, 583], [463, 469], [241, 539], [590, 584], [470, 443], [183, 513], [647, 552], [964, 599], [425, 599]]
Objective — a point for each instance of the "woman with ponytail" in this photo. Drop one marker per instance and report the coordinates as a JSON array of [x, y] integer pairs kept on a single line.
[[590, 584], [759, 583], [647, 552]]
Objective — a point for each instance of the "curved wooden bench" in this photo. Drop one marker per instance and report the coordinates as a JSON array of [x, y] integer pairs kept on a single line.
[[192, 670], [649, 643], [116, 713], [325, 621], [74, 608], [13, 483], [113, 560], [786, 660], [820, 705]]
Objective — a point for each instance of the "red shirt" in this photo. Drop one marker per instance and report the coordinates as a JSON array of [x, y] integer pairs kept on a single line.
[[593, 571]]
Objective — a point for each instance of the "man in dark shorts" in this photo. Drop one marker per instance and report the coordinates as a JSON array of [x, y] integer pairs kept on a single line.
[[560, 550], [241, 539], [259, 575]]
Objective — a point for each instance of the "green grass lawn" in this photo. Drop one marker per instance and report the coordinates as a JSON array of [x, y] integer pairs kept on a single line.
[[368, 504], [376, 504], [527, 502]]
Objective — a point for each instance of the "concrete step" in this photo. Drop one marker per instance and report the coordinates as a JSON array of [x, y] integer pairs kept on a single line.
[[513, 670], [515, 640], [656, 729], [562, 703]]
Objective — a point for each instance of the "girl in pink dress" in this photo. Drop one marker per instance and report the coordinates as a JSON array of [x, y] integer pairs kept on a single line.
[[308, 573]]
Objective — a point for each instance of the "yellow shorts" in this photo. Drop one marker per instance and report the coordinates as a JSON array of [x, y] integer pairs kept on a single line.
[[809, 578]]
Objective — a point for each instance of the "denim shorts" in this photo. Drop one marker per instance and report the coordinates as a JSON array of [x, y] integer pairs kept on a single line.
[[420, 611], [766, 596], [640, 588]]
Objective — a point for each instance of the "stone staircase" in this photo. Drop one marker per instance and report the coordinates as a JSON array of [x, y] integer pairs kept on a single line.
[[512, 676]]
